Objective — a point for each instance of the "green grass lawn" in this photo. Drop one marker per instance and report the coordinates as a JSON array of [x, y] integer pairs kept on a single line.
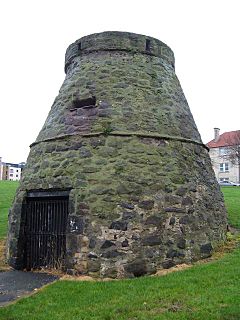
[[7, 192], [205, 291], [232, 202]]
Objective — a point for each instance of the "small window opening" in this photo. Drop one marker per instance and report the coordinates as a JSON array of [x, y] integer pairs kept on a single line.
[[89, 102], [79, 46], [147, 45]]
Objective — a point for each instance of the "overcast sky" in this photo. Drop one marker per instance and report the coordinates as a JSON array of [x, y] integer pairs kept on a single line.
[[204, 36]]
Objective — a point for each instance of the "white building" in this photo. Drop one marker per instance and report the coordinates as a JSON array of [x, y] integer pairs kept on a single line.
[[220, 148], [10, 171], [14, 172]]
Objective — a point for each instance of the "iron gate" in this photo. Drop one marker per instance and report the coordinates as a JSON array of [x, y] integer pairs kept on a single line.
[[46, 220]]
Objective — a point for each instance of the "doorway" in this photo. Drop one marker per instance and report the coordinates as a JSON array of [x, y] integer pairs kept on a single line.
[[46, 217]]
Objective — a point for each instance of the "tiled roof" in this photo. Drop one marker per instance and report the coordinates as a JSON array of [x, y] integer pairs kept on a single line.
[[226, 139]]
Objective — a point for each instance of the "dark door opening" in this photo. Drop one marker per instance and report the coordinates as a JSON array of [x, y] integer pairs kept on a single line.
[[45, 230]]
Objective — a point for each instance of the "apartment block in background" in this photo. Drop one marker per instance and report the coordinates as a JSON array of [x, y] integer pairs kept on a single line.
[[11, 171]]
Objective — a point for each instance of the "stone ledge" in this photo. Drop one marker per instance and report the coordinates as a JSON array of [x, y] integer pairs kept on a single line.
[[126, 134]]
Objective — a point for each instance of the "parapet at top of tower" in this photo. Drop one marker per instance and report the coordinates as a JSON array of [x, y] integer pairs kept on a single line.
[[119, 41]]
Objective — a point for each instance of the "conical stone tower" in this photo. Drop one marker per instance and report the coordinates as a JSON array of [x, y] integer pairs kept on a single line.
[[118, 182]]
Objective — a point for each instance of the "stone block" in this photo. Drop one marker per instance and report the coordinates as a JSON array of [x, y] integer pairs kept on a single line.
[[206, 249], [168, 264], [127, 205], [119, 225], [107, 244], [146, 204], [111, 254], [137, 268], [76, 224], [152, 240], [128, 215], [154, 220], [125, 243], [94, 266], [181, 243], [172, 253], [187, 201]]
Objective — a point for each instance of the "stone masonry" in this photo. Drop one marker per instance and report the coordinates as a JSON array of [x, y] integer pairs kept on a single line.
[[121, 138]]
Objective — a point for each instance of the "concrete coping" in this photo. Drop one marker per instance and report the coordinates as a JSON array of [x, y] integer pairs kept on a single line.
[[119, 41]]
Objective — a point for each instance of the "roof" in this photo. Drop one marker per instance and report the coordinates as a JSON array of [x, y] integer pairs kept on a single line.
[[226, 139], [15, 165]]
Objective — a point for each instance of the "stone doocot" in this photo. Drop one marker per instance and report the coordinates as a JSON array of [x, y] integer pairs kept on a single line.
[[121, 141]]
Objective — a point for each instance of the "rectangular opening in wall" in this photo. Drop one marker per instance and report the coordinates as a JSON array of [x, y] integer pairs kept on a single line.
[[81, 103], [147, 47], [46, 215]]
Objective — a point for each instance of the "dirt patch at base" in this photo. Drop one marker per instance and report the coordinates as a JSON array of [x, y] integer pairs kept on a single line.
[[178, 267], [161, 272], [78, 278]]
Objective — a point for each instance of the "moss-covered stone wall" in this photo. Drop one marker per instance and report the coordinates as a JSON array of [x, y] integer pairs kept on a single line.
[[143, 195]]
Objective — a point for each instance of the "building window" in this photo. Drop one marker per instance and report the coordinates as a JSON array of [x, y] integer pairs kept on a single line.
[[223, 167], [224, 179], [16, 175], [11, 170], [11, 175], [223, 151]]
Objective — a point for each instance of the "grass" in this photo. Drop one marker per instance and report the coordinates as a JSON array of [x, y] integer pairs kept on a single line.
[[205, 291], [7, 192], [232, 202]]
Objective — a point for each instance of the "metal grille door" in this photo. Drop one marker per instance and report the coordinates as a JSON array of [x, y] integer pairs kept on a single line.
[[46, 220]]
